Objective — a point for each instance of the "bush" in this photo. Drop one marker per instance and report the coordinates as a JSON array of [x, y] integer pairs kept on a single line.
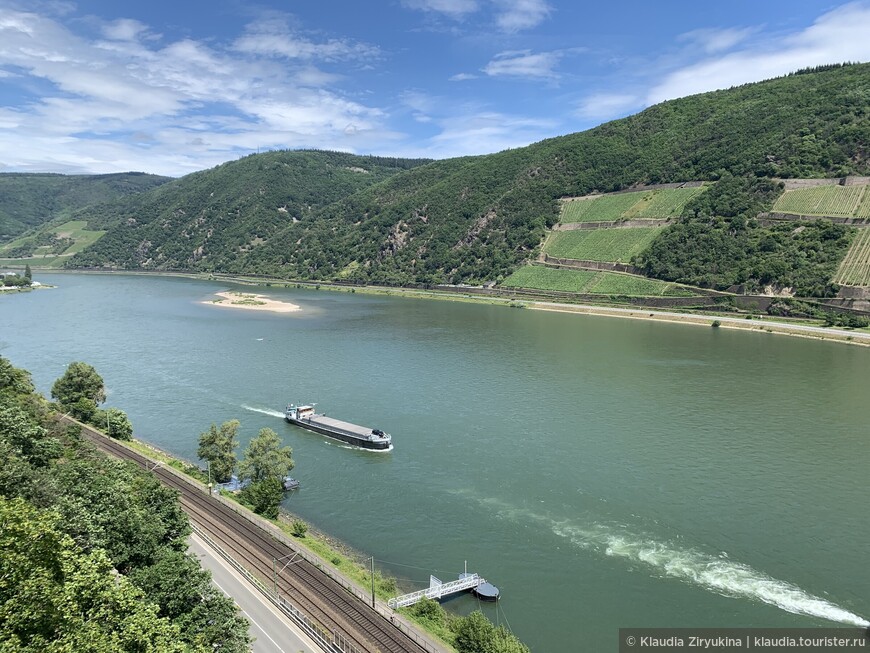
[[716, 324], [299, 528]]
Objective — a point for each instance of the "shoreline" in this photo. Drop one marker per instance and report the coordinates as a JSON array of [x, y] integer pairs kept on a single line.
[[252, 302], [745, 322]]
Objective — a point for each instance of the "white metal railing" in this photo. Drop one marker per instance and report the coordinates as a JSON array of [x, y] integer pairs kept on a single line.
[[436, 590]]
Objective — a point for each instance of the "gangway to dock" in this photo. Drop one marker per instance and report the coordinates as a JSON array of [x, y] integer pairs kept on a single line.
[[437, 590]]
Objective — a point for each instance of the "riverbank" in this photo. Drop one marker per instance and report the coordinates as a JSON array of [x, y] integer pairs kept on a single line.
[[252, 302], [747, 322]]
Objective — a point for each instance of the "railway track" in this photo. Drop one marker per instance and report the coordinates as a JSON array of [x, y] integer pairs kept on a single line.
[[315, 593]]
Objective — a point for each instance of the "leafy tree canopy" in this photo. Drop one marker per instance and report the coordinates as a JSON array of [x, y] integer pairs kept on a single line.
[[80, 383], [265, 458], [218, 446], [55, 597]]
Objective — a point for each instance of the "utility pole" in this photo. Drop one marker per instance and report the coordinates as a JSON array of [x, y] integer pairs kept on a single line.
[[275, 575], [373, 581]]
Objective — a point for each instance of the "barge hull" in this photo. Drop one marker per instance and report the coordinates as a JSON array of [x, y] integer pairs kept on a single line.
[[337, 433]]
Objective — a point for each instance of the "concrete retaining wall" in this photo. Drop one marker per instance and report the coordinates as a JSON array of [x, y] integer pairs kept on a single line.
[[616, 224], [592, 265]]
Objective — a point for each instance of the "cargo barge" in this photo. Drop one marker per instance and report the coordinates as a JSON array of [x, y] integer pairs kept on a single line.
[[358, 436]]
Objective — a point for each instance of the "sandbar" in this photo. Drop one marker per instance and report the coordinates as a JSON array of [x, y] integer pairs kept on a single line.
[[252, 302]]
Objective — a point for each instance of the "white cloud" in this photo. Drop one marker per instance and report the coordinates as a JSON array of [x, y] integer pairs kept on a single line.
[[272, 37], [713, 41], [524, 63], [455, 9], [837, 36], [606, 105], [123, 29], [516, 15], [462, 77], [133, 102], [485, 131], [510, 15]]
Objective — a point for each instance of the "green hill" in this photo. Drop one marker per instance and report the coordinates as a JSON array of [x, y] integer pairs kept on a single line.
[[30, 200], [478, 218], [214, 219]]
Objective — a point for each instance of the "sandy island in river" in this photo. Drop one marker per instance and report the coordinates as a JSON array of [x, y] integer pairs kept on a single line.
[[252, 302]]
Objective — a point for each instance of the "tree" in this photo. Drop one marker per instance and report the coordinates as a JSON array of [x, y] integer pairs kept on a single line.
[[217, 446], [264, 496], [118, 424], [474, 633], [14, 380], [266, 458], [55, 597], [80, 390], [184, 593], [27, 273]]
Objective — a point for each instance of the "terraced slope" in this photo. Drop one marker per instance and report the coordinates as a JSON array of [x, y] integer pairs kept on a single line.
[[855, 268], [835, 201], [650, 204]]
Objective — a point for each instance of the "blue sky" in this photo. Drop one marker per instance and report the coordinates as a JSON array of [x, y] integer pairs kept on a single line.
[[174, 87]]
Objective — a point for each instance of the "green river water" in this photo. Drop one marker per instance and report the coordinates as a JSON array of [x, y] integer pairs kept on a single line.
[[603, 473]]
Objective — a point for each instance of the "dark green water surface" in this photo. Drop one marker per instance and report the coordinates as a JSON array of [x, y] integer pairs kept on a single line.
[[603, 473]]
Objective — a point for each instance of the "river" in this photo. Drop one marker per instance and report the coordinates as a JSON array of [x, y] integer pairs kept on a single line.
[[602, 472]]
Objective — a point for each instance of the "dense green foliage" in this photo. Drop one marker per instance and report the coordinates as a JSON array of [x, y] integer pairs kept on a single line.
[[718, 244], [216, 219], [79, 390], [29, 200], [16, 281], [478, 218], [265, 458], [56, 597], [92, 549], [114, 422], [265, 464], [218, 447], [471, 634]]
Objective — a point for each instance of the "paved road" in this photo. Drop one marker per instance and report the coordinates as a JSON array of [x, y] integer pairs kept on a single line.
[[274, 632]]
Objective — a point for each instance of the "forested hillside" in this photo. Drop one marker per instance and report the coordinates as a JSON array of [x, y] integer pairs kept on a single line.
[[477, 218], [209, 220], [30, 200], [92, 549]]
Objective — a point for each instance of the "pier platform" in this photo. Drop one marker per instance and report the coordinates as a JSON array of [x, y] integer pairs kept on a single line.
[[438, 590]]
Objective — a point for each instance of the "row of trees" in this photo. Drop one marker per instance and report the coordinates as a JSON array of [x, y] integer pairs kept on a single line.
[[94, 549], [261, 470]]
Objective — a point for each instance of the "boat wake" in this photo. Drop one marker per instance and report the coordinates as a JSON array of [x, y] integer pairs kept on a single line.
[[714, 573], [264, 411]]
